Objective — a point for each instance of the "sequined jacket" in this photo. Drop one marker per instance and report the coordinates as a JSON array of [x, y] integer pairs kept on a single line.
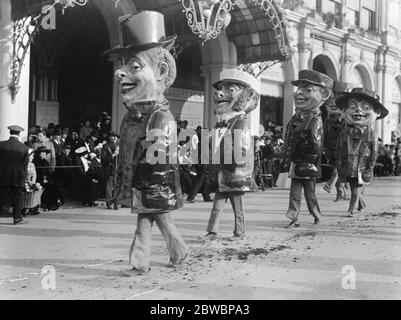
[[155, 185], [233, 173], [304, 141], [356, 152]]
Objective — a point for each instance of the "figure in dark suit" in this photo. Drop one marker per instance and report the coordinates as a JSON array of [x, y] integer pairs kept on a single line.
[[13, 167]]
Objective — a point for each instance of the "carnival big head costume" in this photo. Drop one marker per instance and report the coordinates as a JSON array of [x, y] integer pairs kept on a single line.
[[357, 146], [237, 94], [148, 171], [304, 140]]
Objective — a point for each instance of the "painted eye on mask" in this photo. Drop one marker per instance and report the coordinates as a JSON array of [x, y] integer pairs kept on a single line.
[[366, 107], [352, 107], [135, 66]]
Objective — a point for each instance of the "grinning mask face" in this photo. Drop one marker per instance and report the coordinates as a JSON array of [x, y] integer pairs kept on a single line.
[[233, 96], [360, 113], [309, 97], [145, 75]]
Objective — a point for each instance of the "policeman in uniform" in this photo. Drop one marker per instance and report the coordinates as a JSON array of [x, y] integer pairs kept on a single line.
[[14, 160]]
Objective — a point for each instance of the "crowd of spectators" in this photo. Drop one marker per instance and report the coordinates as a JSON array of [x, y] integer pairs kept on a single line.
[[388, 160], [78, 162]]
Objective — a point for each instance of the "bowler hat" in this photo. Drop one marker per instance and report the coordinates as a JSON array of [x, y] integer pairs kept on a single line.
[[15, 128], [42, 149], [238, 76], [141, 31], [365, 94], [314, 77], [113, 134], [66, 146]]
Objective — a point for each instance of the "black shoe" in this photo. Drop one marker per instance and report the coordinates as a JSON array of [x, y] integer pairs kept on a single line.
[[21, 221], [293, 224], [190, 200]]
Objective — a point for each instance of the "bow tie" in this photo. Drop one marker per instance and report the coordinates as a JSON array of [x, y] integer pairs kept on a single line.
[[138, 119], [222, 124]]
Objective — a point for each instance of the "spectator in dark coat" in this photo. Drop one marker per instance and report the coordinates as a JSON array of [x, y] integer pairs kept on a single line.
[[14, 160]]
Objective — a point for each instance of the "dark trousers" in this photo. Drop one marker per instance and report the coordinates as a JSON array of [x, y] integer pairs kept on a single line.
[[109, 184], [357, 201], [294, 208], [237, 202], [139, 254], [199, 184], [13, 196]]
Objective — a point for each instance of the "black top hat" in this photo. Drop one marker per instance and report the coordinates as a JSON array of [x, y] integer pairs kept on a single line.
[[141, 31], [42, 149], [113, 134], [314, 77], [365, 94]]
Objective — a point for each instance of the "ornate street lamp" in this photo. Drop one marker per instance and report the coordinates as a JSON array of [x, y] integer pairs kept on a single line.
[[208, 18]]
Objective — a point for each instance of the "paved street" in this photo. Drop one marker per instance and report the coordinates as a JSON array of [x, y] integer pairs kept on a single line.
[[89, 246]]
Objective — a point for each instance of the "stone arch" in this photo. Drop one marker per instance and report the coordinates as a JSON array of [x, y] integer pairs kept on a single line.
[[362, 70], [325, 63]]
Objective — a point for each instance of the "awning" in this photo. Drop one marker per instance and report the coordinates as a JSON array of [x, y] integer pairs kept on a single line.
[[258, 29]]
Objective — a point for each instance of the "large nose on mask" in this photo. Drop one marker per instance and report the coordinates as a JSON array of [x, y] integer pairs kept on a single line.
[[120, 74], [298, 92], [219, 94]]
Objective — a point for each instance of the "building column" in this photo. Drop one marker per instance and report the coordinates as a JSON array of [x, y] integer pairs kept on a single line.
[[11, 113], [380, 71], [304, 46], [118, 110]]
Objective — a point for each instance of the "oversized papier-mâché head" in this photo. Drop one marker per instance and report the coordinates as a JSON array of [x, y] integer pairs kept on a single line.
[[361, 107], [236, 91], [147, 66], [314, 88]]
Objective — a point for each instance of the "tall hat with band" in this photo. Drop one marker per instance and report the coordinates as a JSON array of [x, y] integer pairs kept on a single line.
[[363, 94], [315, 78], [238, 76], [141, 31]]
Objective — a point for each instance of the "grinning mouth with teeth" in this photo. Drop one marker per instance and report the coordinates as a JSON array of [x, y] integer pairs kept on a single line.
[[127, 87], [358, 117]]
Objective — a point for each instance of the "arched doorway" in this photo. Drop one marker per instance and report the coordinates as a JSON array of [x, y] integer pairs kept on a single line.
[[394, 117], [186, 96], [322, 63], [70, 80], [361, 78]]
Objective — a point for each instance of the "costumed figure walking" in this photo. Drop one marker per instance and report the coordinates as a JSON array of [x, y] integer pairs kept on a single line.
[[148, 164], [304, 138], [232, 165], [331, 129], [356, 151]]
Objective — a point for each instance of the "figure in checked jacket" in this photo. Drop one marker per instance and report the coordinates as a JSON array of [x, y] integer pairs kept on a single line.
[[232, 164], [304, 139], [148, 169]]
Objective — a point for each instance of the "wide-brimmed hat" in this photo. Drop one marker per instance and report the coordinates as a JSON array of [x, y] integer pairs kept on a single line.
[[42, 149], [141, 31], [365, 94], [239, 76], [314, 77], [113, 134]]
